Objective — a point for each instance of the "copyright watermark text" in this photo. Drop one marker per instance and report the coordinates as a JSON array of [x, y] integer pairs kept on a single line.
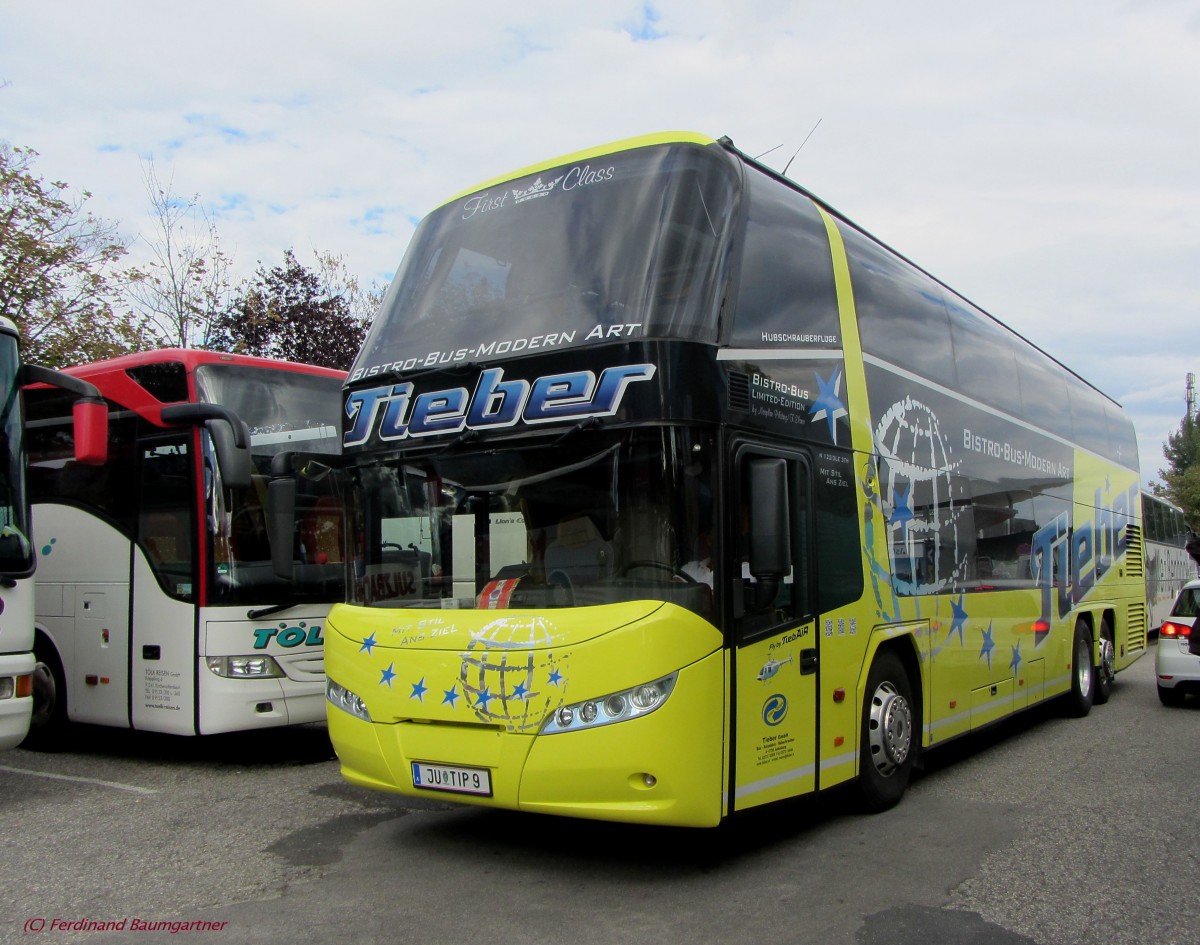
[[38, 924]]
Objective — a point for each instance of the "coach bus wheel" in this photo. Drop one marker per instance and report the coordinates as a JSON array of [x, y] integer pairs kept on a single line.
[[1106, 672], [1083, 673], [888, 730], [49, 703]]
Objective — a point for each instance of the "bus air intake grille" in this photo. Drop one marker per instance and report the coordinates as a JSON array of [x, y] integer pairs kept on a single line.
[[1136, 621], [1135, 566], [739, 392]]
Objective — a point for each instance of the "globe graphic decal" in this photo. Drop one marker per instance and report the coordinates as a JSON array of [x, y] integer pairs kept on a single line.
[[917, 486], [510, 673]]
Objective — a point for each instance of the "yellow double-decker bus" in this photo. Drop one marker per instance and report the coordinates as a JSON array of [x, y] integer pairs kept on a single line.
[[676, 493]]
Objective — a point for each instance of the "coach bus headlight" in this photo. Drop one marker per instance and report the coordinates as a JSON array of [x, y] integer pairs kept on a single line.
[[244, 667], [616, 707], [346, 700]]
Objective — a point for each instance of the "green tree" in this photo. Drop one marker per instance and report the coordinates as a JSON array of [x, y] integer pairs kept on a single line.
[[1182, 475], [58, 280], [298, 314]]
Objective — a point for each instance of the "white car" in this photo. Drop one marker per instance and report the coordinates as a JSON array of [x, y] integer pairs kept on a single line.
[[1178, 671]]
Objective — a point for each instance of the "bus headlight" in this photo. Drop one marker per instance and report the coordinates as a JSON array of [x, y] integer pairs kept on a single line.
[[616, 707], [244, 667], [346, 700]]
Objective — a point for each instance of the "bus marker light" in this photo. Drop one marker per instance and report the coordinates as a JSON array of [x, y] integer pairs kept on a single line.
[[839, 741], [839, 694]]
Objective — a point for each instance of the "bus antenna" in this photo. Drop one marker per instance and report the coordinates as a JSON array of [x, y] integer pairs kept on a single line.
[[799, 149]]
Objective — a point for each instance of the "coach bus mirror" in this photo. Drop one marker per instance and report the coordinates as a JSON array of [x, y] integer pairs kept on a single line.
[[233, 460], [91, 431], [230, 436], [770, 535], [89, 413], [281, 524]]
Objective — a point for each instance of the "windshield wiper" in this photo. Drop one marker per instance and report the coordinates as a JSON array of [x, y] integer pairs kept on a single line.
[[258, 613]]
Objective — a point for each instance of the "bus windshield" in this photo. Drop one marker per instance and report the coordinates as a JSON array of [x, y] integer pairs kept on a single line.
[[284, 410], [16, 552], [630, 245], [628, 516]]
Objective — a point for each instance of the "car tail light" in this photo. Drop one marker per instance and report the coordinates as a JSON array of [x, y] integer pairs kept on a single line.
[[1172, 629]]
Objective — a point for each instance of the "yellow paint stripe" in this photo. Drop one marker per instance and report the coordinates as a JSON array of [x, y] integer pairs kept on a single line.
[[626, 144]]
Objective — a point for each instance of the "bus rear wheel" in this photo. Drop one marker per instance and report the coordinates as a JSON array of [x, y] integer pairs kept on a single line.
[[1083, 673], [889, 726], [1106, 672]]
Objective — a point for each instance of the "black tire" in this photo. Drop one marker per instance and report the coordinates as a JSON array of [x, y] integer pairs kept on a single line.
[[1083, 674], [1106, 671], [1171, 698], [48, 725], [890, 734]]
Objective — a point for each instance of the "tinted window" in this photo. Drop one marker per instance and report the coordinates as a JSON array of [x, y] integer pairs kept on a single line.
[[1043, 392], [902, 314], [983, 356], [167, 381], [786, 293], [55, 476], [1088, 421]]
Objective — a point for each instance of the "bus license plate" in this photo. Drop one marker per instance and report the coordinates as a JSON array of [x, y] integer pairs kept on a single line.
[[453, 779]]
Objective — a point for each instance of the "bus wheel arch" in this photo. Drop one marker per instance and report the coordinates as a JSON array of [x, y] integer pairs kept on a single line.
[[1106, 660], [890, 733], [49, 717], [1082, 694]]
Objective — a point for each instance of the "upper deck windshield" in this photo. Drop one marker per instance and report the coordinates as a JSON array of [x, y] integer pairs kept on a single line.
[[284, 410], [628, 516], [624, 245], [16, 552]]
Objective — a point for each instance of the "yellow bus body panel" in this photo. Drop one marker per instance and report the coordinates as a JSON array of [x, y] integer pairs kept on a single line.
[[473, 689]]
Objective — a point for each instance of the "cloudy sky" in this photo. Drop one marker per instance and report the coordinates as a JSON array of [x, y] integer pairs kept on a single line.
[[1042, 157]]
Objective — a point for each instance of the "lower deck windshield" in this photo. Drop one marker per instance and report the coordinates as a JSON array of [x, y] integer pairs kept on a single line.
[[602, 519], [284, 411]]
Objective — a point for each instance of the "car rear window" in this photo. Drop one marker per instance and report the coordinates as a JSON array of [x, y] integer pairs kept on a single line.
[[1188, 604]]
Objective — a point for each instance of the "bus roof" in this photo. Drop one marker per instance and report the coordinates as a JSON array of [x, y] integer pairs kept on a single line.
[[625, 144], [191, 358]]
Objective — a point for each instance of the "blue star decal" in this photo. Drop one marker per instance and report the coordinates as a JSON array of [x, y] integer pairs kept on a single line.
[[1016, 658], [419, 690], [828, 405], [555, 678], [483, 698], [450, 696], [959, 621], [988, 645], [367, 644], [902, 512], [388, 675], [519, 691]]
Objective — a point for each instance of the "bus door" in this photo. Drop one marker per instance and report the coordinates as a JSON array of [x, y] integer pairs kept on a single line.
[[775, 656], [164, 650]]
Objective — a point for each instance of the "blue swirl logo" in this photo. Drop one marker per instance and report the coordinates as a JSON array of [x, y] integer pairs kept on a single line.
[[775, 709]]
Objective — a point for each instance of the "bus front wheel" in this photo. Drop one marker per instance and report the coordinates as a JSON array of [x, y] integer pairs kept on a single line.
[[889, 727], [49, 719]]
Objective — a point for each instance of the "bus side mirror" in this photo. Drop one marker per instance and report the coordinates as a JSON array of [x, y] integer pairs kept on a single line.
[[281, 524], [91, 431], [230, 436], [770, 527], [233, 460]]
